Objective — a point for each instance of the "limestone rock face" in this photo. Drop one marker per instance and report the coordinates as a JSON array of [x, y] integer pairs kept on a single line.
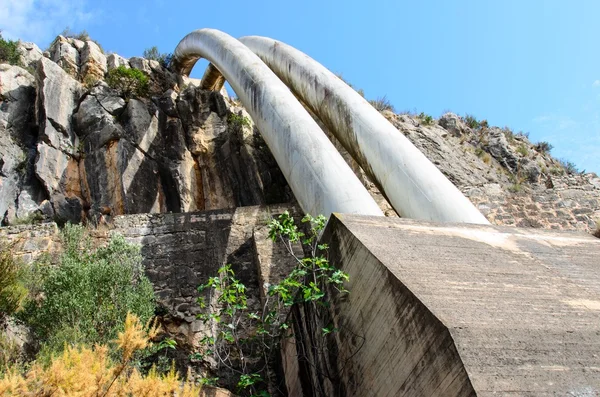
[[453, 124], [498, 147], [57, 96], [81, 152], [30, 53], [93, 62], [114, 61], [66, 55], [17, 137]]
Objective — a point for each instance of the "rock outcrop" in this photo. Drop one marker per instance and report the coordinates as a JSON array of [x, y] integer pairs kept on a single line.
[[76, 150]]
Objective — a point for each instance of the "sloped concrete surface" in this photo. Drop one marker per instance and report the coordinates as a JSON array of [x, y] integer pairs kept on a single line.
[[456, 309]]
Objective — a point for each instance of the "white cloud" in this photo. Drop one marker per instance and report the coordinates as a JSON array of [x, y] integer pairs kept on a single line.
[[41, 20], [596, 83]]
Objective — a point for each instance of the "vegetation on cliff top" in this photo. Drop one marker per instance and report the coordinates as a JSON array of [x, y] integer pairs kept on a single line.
[[9, 52]]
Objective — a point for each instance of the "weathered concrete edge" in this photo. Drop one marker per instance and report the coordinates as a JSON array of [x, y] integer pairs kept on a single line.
[[336, 227]]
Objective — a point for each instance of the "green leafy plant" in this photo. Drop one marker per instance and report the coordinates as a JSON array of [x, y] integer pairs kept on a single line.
[[483, 155], [128, 81], [569, 167], [12, 287], [522, 150], [471, 121], [9, 52], [426, 119], [238, 120], [543, 147], [382, 103], [30, 219], [152, 53], [85, 297], [232, 343], [515, 188]]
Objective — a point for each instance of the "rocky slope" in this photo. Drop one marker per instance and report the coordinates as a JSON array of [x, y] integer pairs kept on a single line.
[[74, 149]]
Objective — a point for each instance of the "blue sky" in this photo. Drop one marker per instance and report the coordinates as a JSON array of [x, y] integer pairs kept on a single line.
[[531, 65]]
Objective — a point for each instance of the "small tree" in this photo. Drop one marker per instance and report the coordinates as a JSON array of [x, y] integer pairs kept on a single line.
[[128, 81], [9, 52], [152, 53]]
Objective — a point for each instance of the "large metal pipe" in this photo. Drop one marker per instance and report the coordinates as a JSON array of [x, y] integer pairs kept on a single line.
[[320, 179], [413, 185]]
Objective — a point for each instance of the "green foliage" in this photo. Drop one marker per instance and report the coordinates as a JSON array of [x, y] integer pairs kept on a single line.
[[85, 297], [483, 155], [543, 147], [31, 219], [8, 52], [426, 119], [522, 150], [471, 121], [569, 167], [233, 347], [128, 82], [238, 121], [152, 53], [10, 353], [12, 287], [382, 103], [515, 188]]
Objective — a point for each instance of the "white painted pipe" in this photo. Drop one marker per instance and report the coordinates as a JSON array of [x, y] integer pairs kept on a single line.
[[414, 186], [317, 174]]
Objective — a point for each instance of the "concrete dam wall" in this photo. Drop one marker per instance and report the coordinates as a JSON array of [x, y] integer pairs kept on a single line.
[[454, 310]]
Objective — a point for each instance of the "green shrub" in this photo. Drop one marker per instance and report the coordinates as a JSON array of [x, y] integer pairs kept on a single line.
[[85, 298], [238, 121], [426, 119], [515, 188], [471, 121], [382, 103], [152, 53], [569, 167], [313, 282], [31, 219], [12, 288], [128, 81], [522, 150], [543, 147], [8, 52]]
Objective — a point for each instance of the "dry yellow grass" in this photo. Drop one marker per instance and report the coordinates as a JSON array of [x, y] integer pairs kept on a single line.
[[83, 371]]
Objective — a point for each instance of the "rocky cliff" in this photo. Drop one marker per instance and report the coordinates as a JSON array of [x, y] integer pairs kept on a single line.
[[74, 149]]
